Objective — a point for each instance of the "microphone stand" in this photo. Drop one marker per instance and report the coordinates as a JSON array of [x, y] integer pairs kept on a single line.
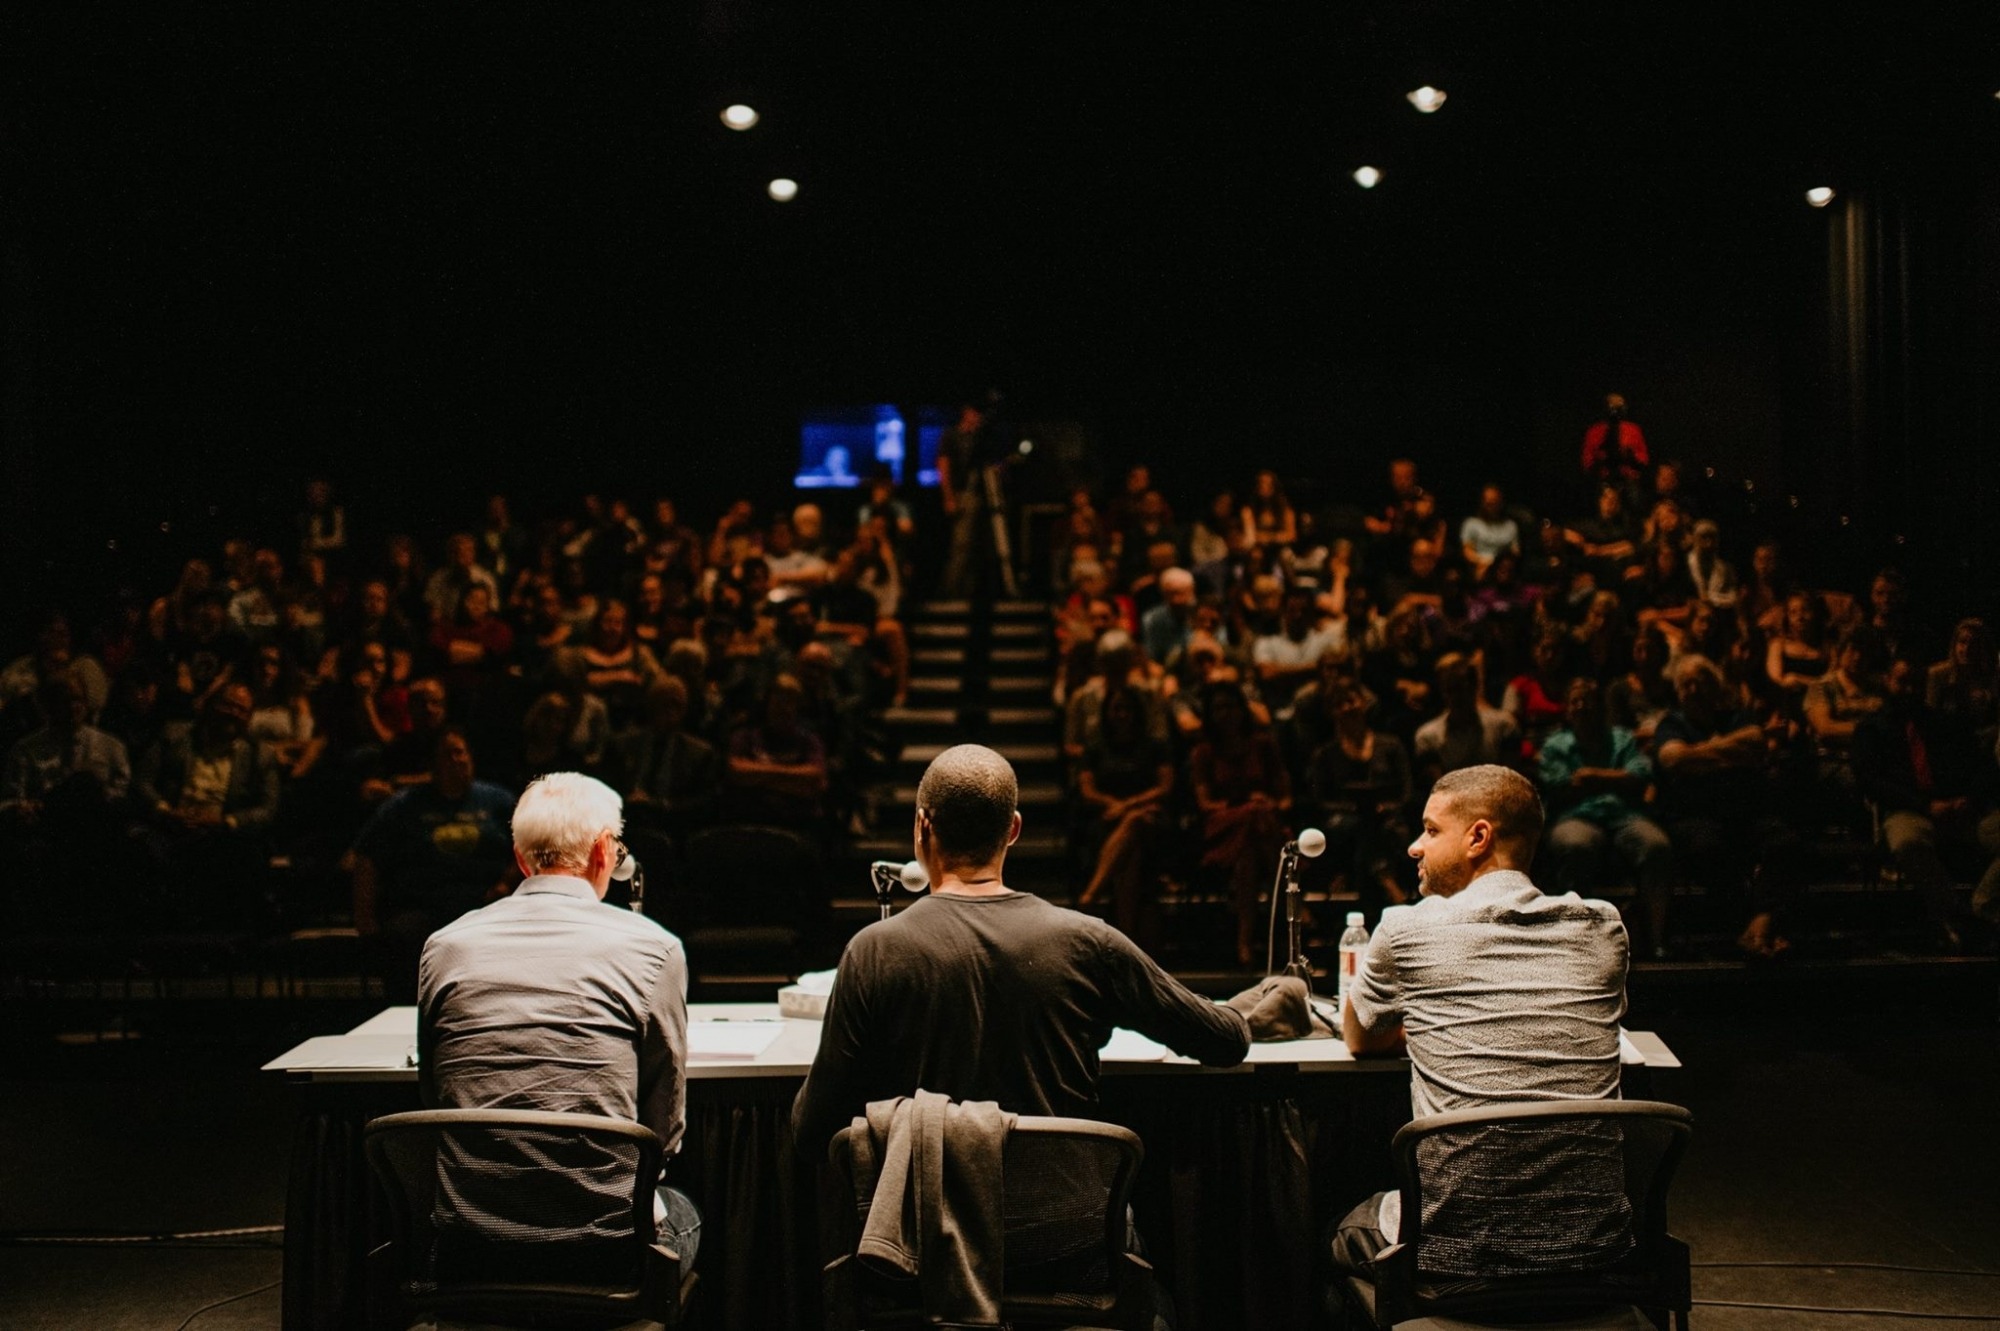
[[1295, 957], [886, 879], [638, 888]]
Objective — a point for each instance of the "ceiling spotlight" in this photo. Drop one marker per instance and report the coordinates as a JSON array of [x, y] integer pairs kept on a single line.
[[783, 190], [1819, 197], [1427, 99], [739, 117], [1367, 177]]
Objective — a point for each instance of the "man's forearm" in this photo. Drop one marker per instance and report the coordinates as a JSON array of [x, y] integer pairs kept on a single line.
[[1362, 1042]]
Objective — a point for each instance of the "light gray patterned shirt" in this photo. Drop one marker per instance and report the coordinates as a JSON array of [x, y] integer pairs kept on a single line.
[[1504, 994], [551, 1000]]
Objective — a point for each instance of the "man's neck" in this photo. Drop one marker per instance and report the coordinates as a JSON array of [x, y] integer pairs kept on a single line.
[[1490, 867], [971, 882]]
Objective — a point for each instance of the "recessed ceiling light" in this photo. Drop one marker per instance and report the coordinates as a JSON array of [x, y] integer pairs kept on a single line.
[[783, 190], [739, 117], [1819, 197], [1367, 177], [1427, 99]]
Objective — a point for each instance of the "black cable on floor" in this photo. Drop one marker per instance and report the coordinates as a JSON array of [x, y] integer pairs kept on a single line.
[[233, 1298], [188, 1236], [1846, 1312], [1856, 1266]]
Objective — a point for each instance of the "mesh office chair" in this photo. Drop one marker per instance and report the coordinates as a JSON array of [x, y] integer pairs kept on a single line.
[[1551, 1209], [746, 889], [1067, 1184], [474, 1196]]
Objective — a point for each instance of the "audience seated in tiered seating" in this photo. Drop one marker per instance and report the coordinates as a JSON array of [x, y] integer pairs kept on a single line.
[[1288, 657], [1688, 724]]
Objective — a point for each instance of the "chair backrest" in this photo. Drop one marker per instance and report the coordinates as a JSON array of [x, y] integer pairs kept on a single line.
[[752, 873], [1066, 1182], [1540, 1205], [496, 1213]]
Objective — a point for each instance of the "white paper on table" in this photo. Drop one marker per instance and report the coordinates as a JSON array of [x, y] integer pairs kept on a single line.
[[390, 1021], [1645, 1047], [1131, 1047], [347, 1051], [817, 982], [742, 1040]]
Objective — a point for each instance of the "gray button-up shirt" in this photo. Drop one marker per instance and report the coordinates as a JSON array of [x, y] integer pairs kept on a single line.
[[1504, 993], [551, 1000]]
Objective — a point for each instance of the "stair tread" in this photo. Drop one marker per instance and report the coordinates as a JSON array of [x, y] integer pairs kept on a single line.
[[1013, 753], [1020, 683], [1021, 716], [1032, 792], [933, 716]]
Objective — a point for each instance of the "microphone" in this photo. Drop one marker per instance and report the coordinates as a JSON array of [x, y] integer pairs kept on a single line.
[[887, 874], [629, 871], [1311, 843], [910, 874]]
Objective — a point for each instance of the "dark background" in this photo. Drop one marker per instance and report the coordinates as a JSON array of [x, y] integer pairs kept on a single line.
[[431, 250]]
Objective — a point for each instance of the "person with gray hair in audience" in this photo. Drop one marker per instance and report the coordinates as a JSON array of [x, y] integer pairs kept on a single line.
[[550, 1000]]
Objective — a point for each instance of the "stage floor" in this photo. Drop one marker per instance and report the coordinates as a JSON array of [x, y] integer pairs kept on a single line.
[[1821, 1137]]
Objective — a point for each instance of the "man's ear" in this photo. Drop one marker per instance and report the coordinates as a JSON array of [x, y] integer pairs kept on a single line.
[[1478, 837], [1014, 831], [527, 869]]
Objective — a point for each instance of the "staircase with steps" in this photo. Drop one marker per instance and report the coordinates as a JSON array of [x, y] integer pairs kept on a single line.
[[980, 674]]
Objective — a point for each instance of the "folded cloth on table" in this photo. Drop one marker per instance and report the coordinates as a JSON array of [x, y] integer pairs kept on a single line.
[[1278, 1008]]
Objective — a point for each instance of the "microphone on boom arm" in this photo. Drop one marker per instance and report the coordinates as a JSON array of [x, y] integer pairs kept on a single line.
[[888, 875], [1311, 844], [629, 870]]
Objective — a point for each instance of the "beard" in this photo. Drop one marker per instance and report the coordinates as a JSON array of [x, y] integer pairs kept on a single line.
[[1441, 880]]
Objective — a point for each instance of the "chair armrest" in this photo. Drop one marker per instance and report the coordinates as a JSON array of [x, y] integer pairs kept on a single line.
[[1395, 1284], [661, 1286]]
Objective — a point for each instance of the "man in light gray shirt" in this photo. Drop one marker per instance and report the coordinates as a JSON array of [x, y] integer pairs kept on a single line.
[[1496, 991], [550, 1000]]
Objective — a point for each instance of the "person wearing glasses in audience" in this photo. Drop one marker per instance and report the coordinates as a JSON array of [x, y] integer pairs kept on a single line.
[[550, 1000]]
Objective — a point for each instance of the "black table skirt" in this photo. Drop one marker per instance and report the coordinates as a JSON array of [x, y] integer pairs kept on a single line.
[[1242, 1175]]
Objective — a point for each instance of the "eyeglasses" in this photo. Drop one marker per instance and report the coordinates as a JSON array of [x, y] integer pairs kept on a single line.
[[622, 856]]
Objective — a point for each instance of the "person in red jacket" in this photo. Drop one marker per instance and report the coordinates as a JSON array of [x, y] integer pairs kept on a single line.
[[1614, 449]]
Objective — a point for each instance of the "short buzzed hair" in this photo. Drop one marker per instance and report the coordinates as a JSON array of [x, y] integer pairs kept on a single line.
[[969, 795], [1503, 797]]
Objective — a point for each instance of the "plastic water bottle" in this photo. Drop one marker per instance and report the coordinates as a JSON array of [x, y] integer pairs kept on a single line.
[[1353, 943]]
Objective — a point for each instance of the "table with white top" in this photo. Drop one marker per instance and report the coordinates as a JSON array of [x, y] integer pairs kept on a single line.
[[1245, 1164]]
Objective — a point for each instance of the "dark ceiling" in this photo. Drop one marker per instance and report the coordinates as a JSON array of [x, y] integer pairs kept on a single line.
[[448, 235]]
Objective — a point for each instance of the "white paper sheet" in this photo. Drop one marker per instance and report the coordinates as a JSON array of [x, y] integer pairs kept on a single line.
[[1131, 1047], [742, 1040], [348, 1051]]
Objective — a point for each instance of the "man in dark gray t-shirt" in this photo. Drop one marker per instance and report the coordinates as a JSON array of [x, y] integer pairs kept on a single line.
[[983, 993]]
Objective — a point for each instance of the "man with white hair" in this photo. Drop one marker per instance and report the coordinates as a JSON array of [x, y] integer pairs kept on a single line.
[[1164, 629], [550, 1000]]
